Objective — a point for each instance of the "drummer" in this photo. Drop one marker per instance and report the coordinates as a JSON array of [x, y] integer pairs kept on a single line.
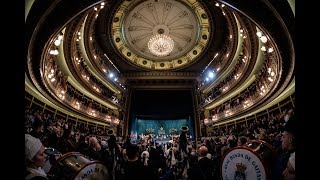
[[35, 158]]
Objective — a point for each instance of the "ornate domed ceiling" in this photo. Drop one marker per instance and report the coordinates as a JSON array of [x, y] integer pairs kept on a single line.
[[135, 23], [129, 25], [104, 49]]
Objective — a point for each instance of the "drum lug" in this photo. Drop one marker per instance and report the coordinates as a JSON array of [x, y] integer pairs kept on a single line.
[[78, 165]]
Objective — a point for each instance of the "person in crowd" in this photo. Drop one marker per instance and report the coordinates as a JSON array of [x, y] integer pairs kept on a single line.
[[263, 135], [127, 141], [112, 141], [83, 145], [276, 143], [195, 172], [111, 155], [242, 141], [289, 172], [183, 154], [224, 150], [133, 168], [217, 160], [206, 164], [145, 157], [67, 142], [94, 149], [172, 156], [35, 159], [37, 128], [288, 115], [183, 141], [288, 145], [168, 160], [54, 136], [155, 160]]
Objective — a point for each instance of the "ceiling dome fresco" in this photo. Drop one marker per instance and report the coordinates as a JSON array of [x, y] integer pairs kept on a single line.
[[135, 24]]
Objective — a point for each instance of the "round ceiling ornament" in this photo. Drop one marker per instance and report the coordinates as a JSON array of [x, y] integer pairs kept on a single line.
[[160, 33]]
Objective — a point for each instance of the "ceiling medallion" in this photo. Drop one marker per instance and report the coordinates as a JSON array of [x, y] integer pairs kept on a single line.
[[162, 34], [160, 45]]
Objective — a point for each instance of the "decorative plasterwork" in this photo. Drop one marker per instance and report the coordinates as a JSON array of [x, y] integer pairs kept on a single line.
[[161, 75], [185, 21]]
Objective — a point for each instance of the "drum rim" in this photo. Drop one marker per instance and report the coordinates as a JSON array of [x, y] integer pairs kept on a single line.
[[85, 165], [62, 158], [246, 148], [265, 143]]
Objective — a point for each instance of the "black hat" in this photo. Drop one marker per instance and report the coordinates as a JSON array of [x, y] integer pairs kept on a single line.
[[184, 128], [110, 132], [291, 126]]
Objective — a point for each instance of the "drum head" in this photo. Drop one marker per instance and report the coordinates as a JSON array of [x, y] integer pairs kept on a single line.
[[242, 163], [93, 171], [74, 166]]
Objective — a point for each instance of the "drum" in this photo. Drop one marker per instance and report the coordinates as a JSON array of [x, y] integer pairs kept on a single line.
[[251, 161], [75, 166], [52, 156]]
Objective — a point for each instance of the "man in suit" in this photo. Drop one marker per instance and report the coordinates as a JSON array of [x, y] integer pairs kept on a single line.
[[206, 164], [133, 168]]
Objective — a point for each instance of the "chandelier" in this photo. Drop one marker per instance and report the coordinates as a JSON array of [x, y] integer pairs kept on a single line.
[[160, 45]]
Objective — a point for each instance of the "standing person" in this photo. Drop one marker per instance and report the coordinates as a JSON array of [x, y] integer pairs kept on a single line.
[[112, 152], [133, 168], [202, 167], [183, 141], [288, 145], [35, 159], [206, 164], [94, 149], [183, 158]]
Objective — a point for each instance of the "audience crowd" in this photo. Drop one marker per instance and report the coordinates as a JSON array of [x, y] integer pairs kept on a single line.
[[179, 158]]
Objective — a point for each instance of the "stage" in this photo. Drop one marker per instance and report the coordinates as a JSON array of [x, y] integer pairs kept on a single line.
[[163, 128]]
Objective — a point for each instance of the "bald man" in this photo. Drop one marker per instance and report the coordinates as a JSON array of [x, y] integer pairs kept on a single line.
[[205, 163], [203, 151], [94, 150]]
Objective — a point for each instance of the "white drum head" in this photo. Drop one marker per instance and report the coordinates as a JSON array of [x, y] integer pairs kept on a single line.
[[242, 163], [94, 171]]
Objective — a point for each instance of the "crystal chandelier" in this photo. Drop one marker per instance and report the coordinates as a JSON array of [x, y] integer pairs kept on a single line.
[[160, 45]]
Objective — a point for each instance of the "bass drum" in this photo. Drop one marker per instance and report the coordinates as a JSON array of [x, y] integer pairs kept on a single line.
[[254, 160], [75, 166]]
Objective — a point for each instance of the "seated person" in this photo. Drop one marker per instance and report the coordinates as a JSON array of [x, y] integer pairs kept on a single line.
[[35, 158]]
